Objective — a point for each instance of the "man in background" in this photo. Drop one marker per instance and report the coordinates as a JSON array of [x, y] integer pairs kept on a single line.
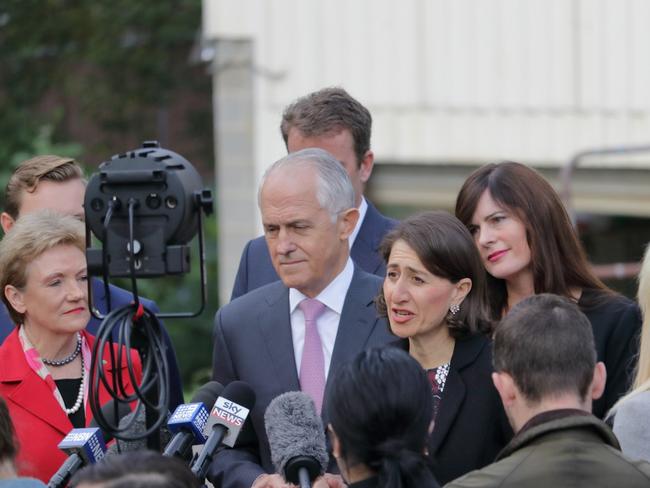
[[332, 120], [547, 376], [57, 183]]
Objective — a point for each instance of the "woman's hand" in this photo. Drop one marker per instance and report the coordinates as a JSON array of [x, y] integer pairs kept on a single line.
[[329, 480]]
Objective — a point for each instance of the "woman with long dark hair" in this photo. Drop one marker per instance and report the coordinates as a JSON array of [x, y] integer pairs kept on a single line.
[[380, 410], [528, 245], [434, 298]]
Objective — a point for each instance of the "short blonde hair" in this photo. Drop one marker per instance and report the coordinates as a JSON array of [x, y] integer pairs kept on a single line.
[[31, 236], [31, 172]]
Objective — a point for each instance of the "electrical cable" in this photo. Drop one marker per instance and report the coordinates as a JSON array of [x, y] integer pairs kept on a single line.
[[137, 328]]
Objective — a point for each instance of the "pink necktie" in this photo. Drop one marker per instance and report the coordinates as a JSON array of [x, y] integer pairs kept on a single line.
[[312, 364]]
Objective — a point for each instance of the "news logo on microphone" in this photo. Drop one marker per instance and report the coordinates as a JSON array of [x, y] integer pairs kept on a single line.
[[229, 414], [189, 415], [88, 443]]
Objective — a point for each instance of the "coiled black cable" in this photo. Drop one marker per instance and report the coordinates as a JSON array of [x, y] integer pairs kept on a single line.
[[130, 327]]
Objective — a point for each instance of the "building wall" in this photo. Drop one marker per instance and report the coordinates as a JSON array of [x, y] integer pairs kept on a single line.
[[452, 84]]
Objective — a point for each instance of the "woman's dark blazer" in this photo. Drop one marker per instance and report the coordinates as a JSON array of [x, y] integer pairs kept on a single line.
[[616, 323], [471, 426]]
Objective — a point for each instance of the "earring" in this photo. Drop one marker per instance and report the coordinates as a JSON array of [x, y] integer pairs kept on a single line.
[[454, 308]]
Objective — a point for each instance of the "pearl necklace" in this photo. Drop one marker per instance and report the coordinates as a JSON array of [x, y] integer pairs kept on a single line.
[[80, 396], [69, 359]]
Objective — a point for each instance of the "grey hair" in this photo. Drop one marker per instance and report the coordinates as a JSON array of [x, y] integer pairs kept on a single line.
[[334, 190]]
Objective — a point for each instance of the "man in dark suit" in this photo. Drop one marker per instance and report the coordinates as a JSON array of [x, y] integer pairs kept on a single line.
[[332, 120], [56, 183], [266, 337]]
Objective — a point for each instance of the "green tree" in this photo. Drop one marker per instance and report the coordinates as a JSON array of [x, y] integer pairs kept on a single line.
[[91, 78]]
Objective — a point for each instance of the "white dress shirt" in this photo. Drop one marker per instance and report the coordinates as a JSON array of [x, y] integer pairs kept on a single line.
[[333, 297], [363, 209]]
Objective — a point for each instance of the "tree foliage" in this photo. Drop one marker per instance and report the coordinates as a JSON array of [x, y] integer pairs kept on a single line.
[[113, 65], [92, 78]]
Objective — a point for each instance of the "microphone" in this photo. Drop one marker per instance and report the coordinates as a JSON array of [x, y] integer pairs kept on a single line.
[[134, 425], [296, 438], [188, 421], [83, 447], [225, 422], [108, 412]]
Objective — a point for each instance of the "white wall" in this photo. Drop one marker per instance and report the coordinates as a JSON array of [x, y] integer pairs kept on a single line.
[[459, 80], [453, 82]]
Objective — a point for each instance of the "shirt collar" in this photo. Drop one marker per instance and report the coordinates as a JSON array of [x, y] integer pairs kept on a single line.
[[333, 296], [363, 209]]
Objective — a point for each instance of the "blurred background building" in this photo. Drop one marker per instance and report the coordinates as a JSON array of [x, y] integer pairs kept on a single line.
[[451, 85]]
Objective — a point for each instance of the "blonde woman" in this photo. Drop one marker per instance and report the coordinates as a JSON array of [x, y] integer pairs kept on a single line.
[[45, 361], [632, 412]]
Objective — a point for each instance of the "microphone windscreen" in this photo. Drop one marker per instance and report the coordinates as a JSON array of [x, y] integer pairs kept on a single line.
[[240, 393], [136, 426], [208, 394], [108, 413], [294, 429]]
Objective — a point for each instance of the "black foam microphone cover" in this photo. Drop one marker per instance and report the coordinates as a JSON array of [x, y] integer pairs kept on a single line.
[[208, 394], [225, 422], [113, 418]]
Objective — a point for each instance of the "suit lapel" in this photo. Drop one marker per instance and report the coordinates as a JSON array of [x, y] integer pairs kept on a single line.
[[29, 391], [356, 324], [274, 323], [452, 398], [465, 353], [364, 250], [365, 255]]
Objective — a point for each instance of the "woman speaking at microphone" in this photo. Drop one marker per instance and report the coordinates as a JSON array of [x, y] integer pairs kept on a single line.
[[380, 410], [434, 298], [45, 362]]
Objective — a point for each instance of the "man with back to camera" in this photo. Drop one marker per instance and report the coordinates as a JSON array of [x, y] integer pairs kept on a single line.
[[56, 183], [547, 376], [318, 316], [329, 119]]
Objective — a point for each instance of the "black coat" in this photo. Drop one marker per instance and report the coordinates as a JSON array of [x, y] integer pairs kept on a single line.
[[616, 323], [471, 427]]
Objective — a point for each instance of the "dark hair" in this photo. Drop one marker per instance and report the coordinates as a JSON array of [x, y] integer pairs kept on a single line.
[[447, 250], [139, 469], [546, 344], [8, 448], [327, 110], [380, 406], [558, 260]]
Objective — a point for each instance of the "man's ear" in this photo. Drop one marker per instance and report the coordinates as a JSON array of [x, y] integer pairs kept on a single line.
[[365, 168], [6, 221], [506, 387], [598, 383], [348, 220]]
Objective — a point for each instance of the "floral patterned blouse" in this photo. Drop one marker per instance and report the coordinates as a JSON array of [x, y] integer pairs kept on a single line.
[[437, 377]]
